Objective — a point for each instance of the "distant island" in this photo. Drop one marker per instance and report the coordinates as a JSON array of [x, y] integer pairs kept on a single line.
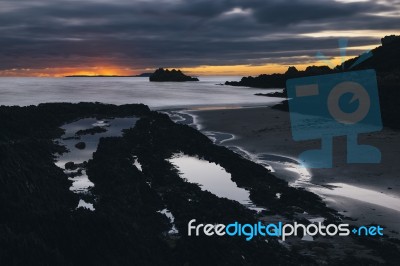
[[162, 75], [143, 75]]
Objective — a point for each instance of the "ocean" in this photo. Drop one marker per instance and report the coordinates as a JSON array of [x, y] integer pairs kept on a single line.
[[164, 95]]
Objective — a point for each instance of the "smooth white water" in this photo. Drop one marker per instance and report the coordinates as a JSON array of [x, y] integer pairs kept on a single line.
[[360, 194], [157, 95]]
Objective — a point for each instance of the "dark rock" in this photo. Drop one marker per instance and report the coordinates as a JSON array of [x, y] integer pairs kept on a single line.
[[319, 250], [390, 39], [269, 81], [51, 231], [317, 70], [91, 131], [143, 75], [273, 94], [291, 71], [71, 166], [170, 75], [262, 81], [384, 60], [80, 145], [69, 138]]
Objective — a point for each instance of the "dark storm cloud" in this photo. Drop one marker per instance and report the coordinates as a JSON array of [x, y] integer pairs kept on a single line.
[[294, 11], [150, 33]]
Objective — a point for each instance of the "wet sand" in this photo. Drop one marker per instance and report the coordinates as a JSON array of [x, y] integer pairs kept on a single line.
[[369, 193]]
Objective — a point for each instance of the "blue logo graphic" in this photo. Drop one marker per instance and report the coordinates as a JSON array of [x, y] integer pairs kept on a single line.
[[341, 104]]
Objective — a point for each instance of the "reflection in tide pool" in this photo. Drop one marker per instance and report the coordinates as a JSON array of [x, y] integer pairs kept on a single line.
[[110, 128], [137, 164], [113, 128], [84, 204], [171, 218], [213, 178], [80, 183]]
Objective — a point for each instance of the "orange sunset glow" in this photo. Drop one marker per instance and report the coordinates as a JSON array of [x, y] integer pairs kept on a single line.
[[58, 72], [203, 70]]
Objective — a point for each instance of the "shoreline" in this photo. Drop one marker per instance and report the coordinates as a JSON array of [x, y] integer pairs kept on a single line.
[[264, 134], [136, 186]]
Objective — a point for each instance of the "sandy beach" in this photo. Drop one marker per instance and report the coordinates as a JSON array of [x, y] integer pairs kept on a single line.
[[369, 193]]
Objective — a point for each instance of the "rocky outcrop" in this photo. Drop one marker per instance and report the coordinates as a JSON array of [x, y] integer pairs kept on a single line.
[[170, 75], [269, 81], [40, 220], [80, 145]]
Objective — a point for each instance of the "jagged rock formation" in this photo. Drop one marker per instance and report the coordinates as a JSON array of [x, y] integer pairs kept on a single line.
[[40, 223], [170, 75]]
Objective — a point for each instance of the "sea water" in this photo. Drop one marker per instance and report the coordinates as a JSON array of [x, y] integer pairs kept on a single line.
[[128, 90]]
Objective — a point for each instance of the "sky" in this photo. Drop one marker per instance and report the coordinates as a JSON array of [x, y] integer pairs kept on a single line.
[[201, 37]]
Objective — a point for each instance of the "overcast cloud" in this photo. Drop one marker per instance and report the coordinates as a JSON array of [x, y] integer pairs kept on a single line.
[[150, 33]]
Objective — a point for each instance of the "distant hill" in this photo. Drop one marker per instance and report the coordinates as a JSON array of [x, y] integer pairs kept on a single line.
[[144, 75], [279, 80], [162, 75], [110, 76], [385, 60]]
